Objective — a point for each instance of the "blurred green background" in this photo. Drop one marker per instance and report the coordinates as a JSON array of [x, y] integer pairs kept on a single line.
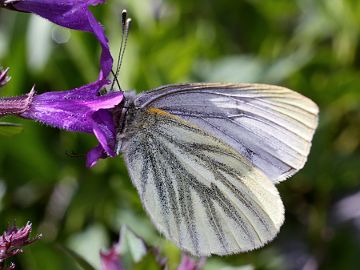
[[309, 46]]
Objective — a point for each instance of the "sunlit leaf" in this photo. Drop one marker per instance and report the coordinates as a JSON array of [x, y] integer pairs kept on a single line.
[[83, 264], [132, 244]]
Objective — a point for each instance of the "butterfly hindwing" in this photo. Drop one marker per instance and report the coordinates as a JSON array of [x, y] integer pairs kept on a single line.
[[271, 126], [198, 191]]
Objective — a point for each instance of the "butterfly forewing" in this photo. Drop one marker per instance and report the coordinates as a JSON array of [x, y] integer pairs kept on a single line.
[[270, 126], [199, 192]]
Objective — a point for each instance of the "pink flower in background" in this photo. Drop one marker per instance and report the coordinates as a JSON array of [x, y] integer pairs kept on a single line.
[[134, 247], [111, 259], [188, 263], [13, 240]]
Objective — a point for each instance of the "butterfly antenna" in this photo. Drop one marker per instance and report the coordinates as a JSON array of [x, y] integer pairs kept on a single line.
[[74, 154], [125, 22]]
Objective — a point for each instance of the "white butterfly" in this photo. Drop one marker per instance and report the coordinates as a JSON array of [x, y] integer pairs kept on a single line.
[[205, 159]]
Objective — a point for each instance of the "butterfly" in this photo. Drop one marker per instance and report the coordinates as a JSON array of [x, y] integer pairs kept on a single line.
[[205, 158]]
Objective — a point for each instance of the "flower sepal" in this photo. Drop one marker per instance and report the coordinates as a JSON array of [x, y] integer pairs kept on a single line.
[[16, 105]]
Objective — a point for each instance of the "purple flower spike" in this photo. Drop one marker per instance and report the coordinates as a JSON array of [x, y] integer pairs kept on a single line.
[[73, 14], [4, 78], [79, 110], [72, 109], [12, 241]]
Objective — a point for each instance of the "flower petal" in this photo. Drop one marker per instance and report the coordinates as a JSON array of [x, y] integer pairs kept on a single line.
[[94, 155], [74, 15], [71, 110], [16, 105], [104, 130]]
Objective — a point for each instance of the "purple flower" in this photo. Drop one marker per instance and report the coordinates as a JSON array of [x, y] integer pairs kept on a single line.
[[134, 247], [73, 14], [110, 259], [188, 263], [81, 109], [12, 241], [77, 110]]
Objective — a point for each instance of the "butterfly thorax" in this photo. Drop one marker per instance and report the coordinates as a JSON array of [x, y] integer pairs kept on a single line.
[[120, 117], [138, 120], [130, 119]]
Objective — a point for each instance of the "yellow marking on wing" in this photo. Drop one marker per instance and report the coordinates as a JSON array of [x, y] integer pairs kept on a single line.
[[153, 110], [160, 112]]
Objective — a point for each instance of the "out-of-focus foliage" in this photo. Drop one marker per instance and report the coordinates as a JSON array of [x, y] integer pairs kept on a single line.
[[308, 46], [9, 129]]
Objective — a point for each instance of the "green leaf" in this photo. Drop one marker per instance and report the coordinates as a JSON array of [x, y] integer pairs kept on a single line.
[[10, 129], [83, 264], [132, 244], [148, 262]]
